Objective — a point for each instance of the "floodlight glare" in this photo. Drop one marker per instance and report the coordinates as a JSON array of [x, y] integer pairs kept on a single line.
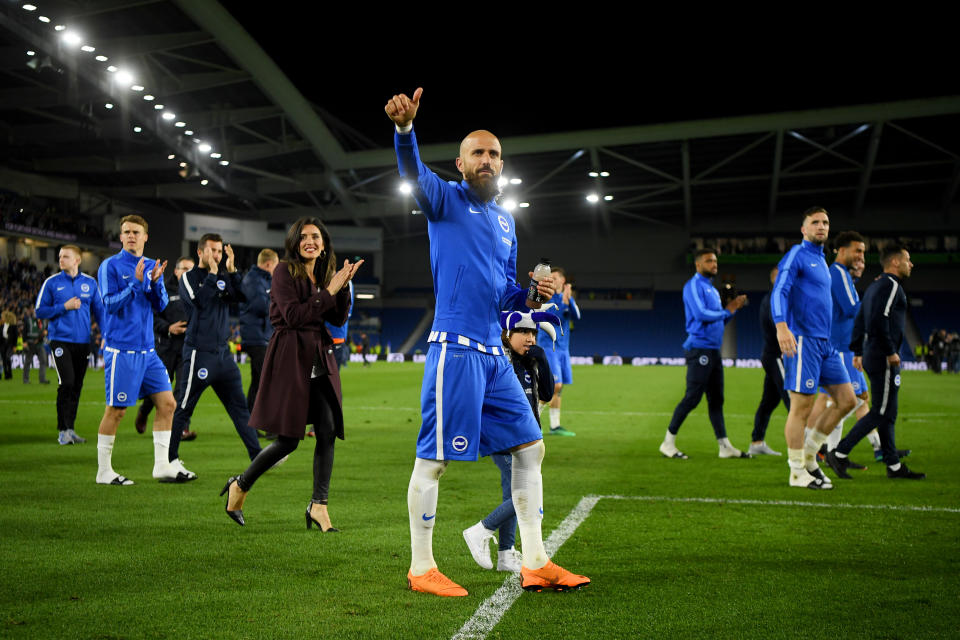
[[593, 198], [137, 129], [509, 205], [523, 205], [109, 105], [183, 164], [204, 182], [112, 69], [43, 18], [101, 58], [604, 174], [179, 123], [608, 198], [204, 148], [88, 48], [124, 77], [59, 27], [71, 38], [215, 155], [168, 115], [224, 162], [149, 98], [136, 87], [158, 107], [593, 174], [501, 181], [31, 53], [515, 181], [171, 157], [188, 132], [405, 188], [29, 7]]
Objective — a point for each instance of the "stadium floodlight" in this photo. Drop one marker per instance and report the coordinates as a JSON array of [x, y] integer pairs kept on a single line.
[[204, 148], [149, 98], [43, 18], [224, 163], [608, 198], [137, 129], [188, 132], [509, 204], [604, 174], [29, 7], [516, 181], [215, 155], [204, 182], [168, 115], [158, 107], [112, 69], [88, 48], [171, 157], [183, 164], [71, 38], [124, 77], [31, 53], [59, 27], [405, 188], [502, 182], [593, 174], [593, 198], [101, 58], [364, 296], [179, 123], [523, 205], [136, 87], [108, 105]]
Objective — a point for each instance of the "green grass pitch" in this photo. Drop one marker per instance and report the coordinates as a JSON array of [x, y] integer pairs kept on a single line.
[[164, 561]]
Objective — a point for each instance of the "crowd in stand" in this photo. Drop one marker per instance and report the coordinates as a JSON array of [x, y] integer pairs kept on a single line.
[[50, 222]]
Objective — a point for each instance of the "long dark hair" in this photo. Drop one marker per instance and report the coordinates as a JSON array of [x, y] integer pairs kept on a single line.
[[326, 264]]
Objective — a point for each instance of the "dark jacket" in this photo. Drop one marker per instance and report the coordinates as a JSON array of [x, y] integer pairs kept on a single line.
[[255, 327], [533, 371], [297, 312], [878, 328], [207, 297], [175, 311]]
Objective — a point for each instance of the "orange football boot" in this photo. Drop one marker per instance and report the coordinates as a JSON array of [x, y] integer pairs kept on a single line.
[[436, 583], [551, 576]]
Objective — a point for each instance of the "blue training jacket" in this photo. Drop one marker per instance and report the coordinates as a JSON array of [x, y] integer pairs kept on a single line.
[[255, 327], [69, 325], [705, 315], [340, 333], [128, 303], [473, 251], [801, 295], [567, 313], [846, 303]]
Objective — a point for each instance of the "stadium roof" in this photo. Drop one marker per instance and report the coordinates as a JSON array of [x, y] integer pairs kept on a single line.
[[294, 123]]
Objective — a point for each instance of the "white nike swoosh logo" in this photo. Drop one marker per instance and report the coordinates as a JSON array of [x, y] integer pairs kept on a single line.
[[59, 288], [125, 277], [470, 209], [813, 264]]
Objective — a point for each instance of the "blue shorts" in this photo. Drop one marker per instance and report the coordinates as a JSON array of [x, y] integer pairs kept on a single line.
[[857, 379], [560, 365], [472, 405], [816, 362], [131, 375]]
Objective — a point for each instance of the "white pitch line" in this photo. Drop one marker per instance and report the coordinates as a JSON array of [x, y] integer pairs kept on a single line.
[[488, 614]]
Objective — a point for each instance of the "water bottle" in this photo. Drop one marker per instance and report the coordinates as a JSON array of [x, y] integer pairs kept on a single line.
[[539, 272]]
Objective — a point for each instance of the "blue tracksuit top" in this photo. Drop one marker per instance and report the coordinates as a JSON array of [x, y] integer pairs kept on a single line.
[[705, 315], [567, 313], [801, 295], [128, 303], [473, 251], [340, 333], [72, 325], [207, 297], [846, 303], [255, 327]]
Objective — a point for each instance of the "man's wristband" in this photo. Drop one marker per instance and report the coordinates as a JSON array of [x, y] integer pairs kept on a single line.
[[407, 128]]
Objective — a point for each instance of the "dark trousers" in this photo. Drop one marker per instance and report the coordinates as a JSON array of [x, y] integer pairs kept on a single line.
[[773, 394], [256, 353], [704, 375], [31, 349], [202, 369], [885, 384], [342, 353], [321, 416], [171, 359], [7, 353], [70, 359]]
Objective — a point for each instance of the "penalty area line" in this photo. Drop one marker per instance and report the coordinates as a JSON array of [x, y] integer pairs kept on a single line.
[[488, 614]]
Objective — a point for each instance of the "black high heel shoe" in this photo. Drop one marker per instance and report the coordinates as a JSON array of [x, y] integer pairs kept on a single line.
[[236, 515], [311, 521]]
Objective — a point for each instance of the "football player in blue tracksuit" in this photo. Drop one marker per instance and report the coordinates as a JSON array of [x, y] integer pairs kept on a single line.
[[207, 291], [877, 336], [66, 300], [706, 318], [559, 356], [131, 288], [802, 307], [471, 402]]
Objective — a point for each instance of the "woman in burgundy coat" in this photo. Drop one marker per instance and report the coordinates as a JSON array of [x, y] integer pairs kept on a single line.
[[300, 383]]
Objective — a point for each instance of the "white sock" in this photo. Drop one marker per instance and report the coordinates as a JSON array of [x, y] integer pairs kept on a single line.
[[840, 455], [811, 445], [554, 418], [724, 442], [894, 467], [874, 439], [795, 459], [105, 470], [834, 438], [161, 448], [527, 485], [670, 439], [422, 508]]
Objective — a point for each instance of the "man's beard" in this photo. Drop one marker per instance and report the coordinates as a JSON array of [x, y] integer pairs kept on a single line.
[[486, 190]]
